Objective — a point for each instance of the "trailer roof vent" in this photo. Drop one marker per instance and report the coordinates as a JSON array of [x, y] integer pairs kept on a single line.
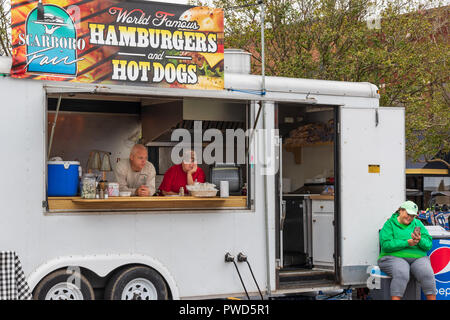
[[237, 61]]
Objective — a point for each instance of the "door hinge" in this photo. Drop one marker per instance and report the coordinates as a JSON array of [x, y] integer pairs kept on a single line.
[[44, 204]]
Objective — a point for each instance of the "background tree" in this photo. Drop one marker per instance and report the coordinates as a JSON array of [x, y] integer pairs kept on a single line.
[[405, 52], [5, 22]]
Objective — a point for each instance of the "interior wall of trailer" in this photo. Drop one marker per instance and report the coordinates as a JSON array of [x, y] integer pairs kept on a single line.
[[315, 160], [76, 134]]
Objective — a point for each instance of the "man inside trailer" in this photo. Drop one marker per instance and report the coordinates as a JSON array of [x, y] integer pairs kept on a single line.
[[136, 174]]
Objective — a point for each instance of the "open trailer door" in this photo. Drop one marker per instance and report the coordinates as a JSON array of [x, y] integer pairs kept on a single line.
[[372, 184]]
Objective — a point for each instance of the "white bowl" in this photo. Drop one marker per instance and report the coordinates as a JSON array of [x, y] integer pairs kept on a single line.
[[125, 194], [204, 193]]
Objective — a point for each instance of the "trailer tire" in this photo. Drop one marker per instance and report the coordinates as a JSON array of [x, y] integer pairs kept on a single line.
[[63, 285], [136, 283]]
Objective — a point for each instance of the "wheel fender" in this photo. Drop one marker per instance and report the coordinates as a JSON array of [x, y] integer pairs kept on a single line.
[[102, 265]]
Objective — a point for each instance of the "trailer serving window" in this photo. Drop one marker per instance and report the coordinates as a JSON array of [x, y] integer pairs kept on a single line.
[[93, 131]]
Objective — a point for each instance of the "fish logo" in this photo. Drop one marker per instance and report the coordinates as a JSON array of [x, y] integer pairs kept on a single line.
[[51, 23], [440, 262]]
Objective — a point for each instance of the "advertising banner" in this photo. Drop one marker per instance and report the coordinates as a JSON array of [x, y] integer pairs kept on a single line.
[[118, 42]]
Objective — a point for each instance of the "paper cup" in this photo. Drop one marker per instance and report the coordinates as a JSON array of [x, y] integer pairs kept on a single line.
[[224, 189]]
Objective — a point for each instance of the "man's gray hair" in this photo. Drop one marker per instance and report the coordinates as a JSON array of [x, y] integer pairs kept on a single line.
[[136, 148]]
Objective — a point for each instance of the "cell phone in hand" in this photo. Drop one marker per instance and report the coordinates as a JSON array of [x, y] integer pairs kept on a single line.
[[417, 230]]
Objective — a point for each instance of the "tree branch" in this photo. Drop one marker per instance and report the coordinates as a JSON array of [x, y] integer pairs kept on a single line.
[[436, 160]]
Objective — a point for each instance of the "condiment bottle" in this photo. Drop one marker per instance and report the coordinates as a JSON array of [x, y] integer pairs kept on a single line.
[[244, 190], [181, 193]]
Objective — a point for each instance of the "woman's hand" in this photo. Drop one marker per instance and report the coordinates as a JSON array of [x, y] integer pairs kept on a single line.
[[190, 179], [416, 236], [193, 170]]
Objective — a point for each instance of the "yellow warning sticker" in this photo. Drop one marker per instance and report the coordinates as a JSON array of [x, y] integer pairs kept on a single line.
[[374, 168]]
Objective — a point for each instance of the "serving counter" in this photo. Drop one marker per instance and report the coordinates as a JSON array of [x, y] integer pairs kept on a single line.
[[177, 202]]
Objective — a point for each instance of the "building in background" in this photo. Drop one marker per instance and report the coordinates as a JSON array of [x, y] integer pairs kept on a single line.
[[422, 178]]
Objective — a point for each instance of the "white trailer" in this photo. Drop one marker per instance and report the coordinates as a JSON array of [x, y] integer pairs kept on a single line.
[[186, 248]]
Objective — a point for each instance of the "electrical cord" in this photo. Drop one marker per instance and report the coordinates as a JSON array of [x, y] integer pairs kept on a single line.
[[254, 279], [255, 92], [230, 258], [242, 258], [245, 289]]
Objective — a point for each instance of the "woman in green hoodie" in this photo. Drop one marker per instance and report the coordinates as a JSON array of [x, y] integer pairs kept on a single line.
[[404, 251]]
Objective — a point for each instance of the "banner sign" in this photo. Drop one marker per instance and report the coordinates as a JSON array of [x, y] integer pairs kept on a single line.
[[118, 42]]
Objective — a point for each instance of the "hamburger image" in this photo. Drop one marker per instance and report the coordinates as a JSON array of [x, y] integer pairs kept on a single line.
[[210, 66], [209, 19]]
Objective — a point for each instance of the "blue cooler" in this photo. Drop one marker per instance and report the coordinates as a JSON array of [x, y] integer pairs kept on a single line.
[[62, 178], [440, 261]]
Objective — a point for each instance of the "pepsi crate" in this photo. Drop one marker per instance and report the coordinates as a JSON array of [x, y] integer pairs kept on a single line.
[[440, 261]]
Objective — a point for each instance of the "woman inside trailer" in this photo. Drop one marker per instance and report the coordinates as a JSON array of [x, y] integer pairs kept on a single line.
[[180, 175]]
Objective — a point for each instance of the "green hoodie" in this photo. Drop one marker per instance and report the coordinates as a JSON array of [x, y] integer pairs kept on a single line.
[[394, 239]]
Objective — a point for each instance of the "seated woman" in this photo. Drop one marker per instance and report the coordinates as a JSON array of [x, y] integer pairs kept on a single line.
[[181, 175], [404, 250]]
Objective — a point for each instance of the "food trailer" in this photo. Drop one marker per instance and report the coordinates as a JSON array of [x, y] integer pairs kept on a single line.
[[320, 166]]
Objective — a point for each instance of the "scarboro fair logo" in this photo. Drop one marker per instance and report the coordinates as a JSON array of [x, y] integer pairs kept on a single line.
[[51, 41]]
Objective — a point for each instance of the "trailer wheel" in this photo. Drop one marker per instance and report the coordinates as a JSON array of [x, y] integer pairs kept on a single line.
[[136, 283], [61, 285]]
